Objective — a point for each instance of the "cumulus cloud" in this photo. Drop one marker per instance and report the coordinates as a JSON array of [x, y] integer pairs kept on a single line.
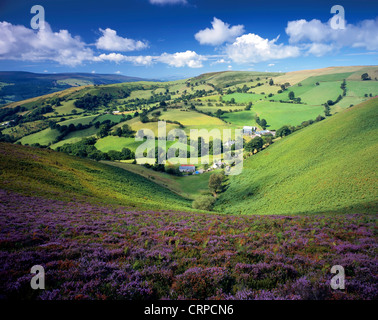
[[181, 59], [118, 58], [321, 38], [220, 61], [20, 43], [251, 48], [110, 41], [319, 49], [163, 2], [220, 32]]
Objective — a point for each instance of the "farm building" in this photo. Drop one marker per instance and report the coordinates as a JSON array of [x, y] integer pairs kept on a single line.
[[247, 130], [262, 132], [187, 168], [229, 143], [217, 164]]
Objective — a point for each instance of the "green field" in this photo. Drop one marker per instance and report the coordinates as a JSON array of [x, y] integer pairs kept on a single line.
[[278, 114], [65, 108], [137, 125], [243, 97], [329, 166], [43, 137], [241, 118], [215, 108], [81, 119], [25, 129], [76, 136], [313, 94], [116, 143], [111, 117], [360, 88]]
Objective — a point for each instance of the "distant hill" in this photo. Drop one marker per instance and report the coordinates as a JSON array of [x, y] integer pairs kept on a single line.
[[18, 85], [327, 167]]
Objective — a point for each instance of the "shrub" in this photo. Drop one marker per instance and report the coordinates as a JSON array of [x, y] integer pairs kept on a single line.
[[204, 203]]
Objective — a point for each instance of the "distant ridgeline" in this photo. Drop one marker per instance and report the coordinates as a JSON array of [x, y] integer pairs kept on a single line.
[[16, 86]]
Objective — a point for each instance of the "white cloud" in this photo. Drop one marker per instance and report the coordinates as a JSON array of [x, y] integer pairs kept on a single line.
[[320, 49], [321, 38], [220, 33], [220, 61], [181, 59], [114, 57], [251, 48], [117, 72], [93, 71], [110, 41], [271, 65], [163, 2], [118, 58], [20, 43], [141, 60]]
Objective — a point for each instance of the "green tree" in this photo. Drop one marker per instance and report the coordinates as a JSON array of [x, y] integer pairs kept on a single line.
[[291, 95], [263, 123], [118, 132], [143, 118], [255, 143], [127, 131], [283, 131], [104, 130], [327, 110], [215, 183], [127, 154], [365, 77], [204, 203], [267, 139]]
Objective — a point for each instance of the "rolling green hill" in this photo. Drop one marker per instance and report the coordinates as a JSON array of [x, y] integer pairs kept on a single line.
[[51, 174], [327, 167]]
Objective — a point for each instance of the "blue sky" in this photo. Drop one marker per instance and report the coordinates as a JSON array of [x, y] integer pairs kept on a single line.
[[182, 38]]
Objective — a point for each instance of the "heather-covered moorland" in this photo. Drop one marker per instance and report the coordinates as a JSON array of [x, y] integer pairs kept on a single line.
[[103, 252]]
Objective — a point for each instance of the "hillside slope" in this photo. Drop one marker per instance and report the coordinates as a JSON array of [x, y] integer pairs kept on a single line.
[[329, 166], [55, 175]]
